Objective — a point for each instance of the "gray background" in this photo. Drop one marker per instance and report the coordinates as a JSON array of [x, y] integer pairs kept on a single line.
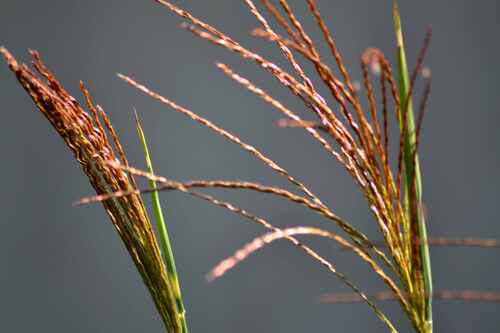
[[63, 269]]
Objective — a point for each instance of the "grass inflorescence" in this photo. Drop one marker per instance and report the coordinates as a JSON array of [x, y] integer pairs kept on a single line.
[[355, 138], [94, 142]]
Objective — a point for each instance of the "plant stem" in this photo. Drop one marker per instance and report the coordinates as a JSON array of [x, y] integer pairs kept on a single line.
[[409, 173], [166, 247]]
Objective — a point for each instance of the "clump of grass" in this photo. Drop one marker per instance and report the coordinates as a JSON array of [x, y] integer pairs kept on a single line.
[[355, 136], [94, 142]]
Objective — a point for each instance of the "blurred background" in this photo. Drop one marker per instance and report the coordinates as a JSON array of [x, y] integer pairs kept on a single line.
[[65, 270]]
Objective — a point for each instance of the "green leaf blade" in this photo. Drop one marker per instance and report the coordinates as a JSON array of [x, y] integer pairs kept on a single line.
[[165, 244], [409, 164]]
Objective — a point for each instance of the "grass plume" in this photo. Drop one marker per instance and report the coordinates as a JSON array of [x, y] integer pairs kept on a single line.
[[87, 135], [356, 139]]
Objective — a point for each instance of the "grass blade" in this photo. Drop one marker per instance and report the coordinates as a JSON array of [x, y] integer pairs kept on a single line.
[[166, 247], [411, 161]]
